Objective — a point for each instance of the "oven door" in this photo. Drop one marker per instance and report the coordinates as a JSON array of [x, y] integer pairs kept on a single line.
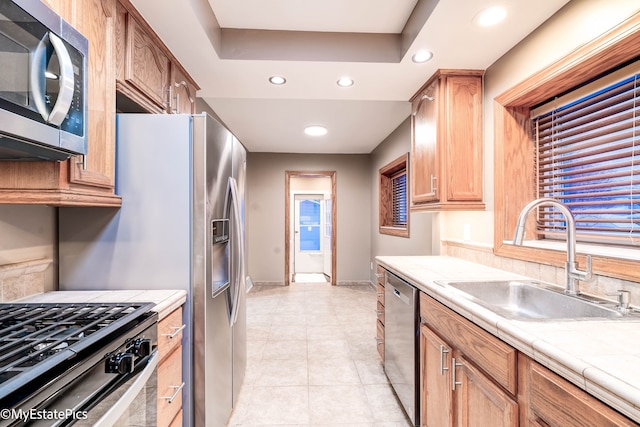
[[133, 403]]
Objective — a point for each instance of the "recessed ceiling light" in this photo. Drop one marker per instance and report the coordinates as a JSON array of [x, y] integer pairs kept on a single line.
[[422, 56], [315, 130], [277, 80], [345, 82], [491, 16]]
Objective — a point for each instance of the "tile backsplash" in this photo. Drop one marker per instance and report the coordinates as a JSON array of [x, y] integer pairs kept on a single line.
[[22, 279], [481, 254]]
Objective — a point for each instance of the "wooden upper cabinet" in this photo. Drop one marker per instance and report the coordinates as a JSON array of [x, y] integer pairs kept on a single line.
[[146, 65], [82, 180], [446, 142], [182, 92], [149, 78]]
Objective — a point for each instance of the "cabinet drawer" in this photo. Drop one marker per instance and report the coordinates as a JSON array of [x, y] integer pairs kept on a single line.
[[170, 386], [489, 353], [577, 408], [169, 333], [380, 291], [380, 312], [380, 338]]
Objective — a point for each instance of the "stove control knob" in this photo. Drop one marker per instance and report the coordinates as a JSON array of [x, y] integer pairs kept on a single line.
[[142, 347], [121, 363]]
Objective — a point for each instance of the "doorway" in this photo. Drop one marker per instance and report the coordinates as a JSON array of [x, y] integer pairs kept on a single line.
[[310, 231]]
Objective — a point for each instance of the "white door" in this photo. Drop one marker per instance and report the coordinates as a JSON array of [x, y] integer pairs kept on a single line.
[[308, 217]]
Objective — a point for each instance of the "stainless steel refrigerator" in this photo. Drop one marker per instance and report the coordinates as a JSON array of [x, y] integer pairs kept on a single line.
[[181, 226]]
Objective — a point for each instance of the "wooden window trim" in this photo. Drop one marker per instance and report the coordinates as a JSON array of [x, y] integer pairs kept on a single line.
[[386, 174], [513, 169]]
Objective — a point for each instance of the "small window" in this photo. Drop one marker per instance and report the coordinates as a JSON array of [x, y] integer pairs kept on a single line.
[[394, 200], [588, 157]]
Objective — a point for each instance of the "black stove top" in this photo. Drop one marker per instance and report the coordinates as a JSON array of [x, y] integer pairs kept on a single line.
[[41, 341]]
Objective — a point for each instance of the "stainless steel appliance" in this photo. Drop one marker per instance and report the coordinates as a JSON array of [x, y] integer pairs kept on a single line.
[[181, 226], [77, 364], [401, 342], [43, 107]]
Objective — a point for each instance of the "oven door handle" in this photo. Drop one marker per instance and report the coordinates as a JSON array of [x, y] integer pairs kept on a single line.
[[116, 411]]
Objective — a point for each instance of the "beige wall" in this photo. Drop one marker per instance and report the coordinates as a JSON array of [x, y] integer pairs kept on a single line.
[[419, 241], [577, 23], [264, 212], [27, 250]]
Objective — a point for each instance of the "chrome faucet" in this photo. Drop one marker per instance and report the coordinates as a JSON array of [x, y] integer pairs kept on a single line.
[[573, 274]]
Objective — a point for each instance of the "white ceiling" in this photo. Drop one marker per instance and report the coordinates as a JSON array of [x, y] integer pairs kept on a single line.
[[232, 47]]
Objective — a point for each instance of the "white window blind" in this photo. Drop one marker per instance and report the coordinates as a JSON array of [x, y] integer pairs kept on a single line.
[[587, 156], [399, 202]]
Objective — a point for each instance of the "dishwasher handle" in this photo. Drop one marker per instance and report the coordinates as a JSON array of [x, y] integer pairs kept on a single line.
[[402, 297]]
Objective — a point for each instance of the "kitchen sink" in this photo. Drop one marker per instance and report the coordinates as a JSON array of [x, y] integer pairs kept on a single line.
[[532, 300]]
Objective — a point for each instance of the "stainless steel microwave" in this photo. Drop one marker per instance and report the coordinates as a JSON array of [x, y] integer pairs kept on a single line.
[[43, 84]]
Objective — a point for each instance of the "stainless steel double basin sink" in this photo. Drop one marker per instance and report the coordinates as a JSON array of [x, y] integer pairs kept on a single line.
[[535, 301]]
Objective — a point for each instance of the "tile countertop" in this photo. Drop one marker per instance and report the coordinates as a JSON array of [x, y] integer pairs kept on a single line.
[[599, 356], [166, 300]]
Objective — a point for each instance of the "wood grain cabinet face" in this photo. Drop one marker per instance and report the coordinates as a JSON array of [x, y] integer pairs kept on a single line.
[[467, 377], [380, 272], [436, 395], [146, 65], [170, 369], [446, 148], [183, 93], [555, 402], [82, 180], [149, 78]]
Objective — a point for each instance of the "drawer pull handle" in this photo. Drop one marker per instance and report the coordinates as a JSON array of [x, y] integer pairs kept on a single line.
[[380, 294], [175, 394], [454, 365], [178, 329], [379, 340], [443, 351], [380, 275]]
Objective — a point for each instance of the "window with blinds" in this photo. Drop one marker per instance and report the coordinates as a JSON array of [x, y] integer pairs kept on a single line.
[[394, 198], [399, 199], [587, 156]]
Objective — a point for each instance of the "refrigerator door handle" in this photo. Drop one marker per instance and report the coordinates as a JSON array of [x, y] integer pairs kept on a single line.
[[238, 239]]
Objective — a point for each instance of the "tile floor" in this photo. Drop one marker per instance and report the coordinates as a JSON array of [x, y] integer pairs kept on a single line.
[[312, 360]]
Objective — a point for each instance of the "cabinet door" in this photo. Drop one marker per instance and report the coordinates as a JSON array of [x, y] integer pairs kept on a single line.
[[146, 65], [556, 402], [436, 408], [478, 401], [96, 20], [183, 93], [424, 146], [463, 136]]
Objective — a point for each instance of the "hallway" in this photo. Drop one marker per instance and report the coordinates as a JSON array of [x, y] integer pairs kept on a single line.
[[312, 359]]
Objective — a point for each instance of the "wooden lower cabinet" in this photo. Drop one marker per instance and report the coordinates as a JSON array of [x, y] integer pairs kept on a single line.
[[436, 396], [551, 401], [467, 376], [478, 401], [380, 275], [170, 383]]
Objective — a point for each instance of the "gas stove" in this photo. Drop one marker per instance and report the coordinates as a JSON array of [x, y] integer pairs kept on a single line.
[[69, 357]]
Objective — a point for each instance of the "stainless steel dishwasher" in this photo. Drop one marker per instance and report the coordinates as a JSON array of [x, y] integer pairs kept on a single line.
[[401, 342]]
